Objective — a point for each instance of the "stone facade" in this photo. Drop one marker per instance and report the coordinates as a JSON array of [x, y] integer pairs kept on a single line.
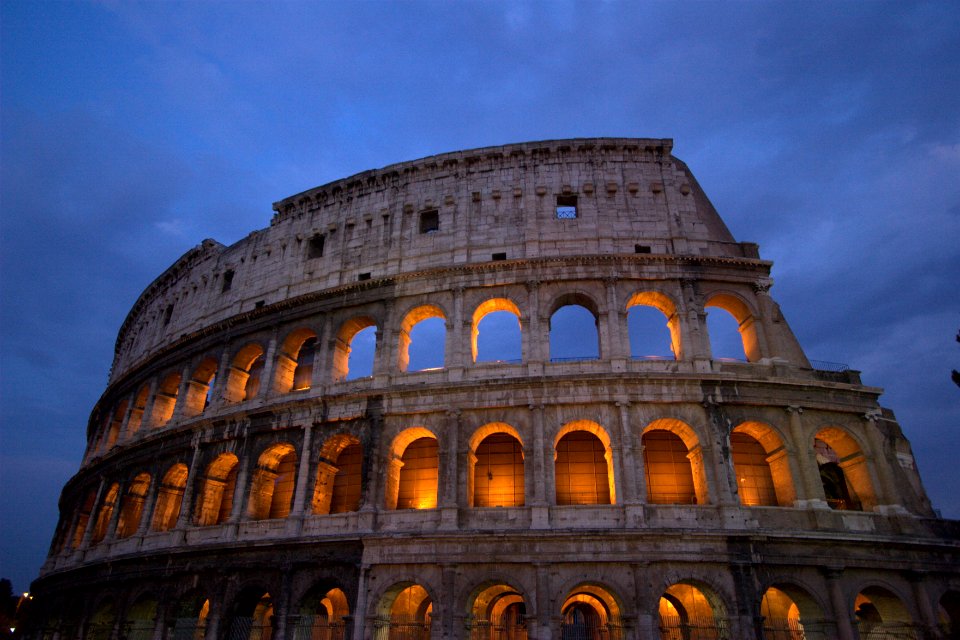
[[242, 481]]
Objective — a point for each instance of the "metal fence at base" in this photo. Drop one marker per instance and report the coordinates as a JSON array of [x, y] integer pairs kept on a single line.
[[398, 628], [316, 628], [889, 631], [249, 629], [187, 629], [693, 628], [486, 630], [611, 630]]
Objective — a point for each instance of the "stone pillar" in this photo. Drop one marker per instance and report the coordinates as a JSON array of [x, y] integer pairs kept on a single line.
[[282, 608], [842, 611], [449, 473], [115, 515], [807, 477], [218, 394], [888, 496], [531, 336], [146, 420], [303, 471], [613, 346], [924, 605], [385, 360], [150, 500], [613, 458], [183, 392], [186, 503], [91, 519], [323, 493], [125, 421], [240, 492], [693, 326], [267, 375], [322, 367], [543, 473], [458, 328], [543, 612], [449, 612], [361, 621], [628, 457]]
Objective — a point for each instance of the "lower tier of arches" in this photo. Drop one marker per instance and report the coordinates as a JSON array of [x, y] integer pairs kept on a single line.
[[554, 586]]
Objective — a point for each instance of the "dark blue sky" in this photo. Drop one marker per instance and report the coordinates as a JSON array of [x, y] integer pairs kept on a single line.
[[828, 133]]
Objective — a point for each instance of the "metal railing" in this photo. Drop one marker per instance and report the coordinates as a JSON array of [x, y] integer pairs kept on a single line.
[[486, 630], [693, 628], [310, 627], [188, 629], [574, 358], [592, 630], [400, 628], [888, 631], [249, 629], [825, 365]]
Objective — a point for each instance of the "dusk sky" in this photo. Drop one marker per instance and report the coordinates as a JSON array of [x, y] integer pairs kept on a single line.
[[827, 133]]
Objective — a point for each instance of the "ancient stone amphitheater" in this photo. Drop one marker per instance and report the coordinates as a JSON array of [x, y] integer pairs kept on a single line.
[[273, 459]]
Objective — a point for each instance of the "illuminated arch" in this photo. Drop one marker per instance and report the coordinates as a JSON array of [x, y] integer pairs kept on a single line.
[[114, 423], [761, 466], [485, 308], [791, 613], [102, 621], [252, 615], [136, 411], [85, 510], [690, 608], [191, 611], [131, 507], [215, 502], [673, 463], [274, 480], [581, 476], [339, 476], [412, 472], [590, 335], [746, 323], [200, 387], [343, 345], [591, 611], [105, 513], [844, 471], [294, 364], [880, 612], [246, 370], [170, 498], [662, 303], [405, 610], [496, 450], [141, 617], [414, 317], [321, 613], [165, 399], [497, 610]]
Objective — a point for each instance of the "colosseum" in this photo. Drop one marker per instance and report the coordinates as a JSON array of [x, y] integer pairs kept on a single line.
[[372, 420]]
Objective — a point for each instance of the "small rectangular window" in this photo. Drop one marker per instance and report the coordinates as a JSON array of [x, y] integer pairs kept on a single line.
[[363, 276], [167, 314], [566, 207], [259, 304], [315, 247], [429, 221], [641, 248], [499, 256], [227, 281]]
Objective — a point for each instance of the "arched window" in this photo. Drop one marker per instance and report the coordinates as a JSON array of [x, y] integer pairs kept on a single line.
[[114, 424], [573, 329], [165, 399], [691, 611], [404, 612], [200, 387], [498, 611], [136, 412], [761, 466], [413, 471], [243, 379], [321, 614], [667, 467], [295, 362], [252, 616], [271, 491], [497, 470], [354, 349], [83, 519], [733, 333], [105, 513], [191, 614], [881, 614], [216, 497], [790, 613], [170, 498], [495, 332], [422, 339], [591, 612], [140, 618], [650, 337], [101, 622], [583, 466], [131, 508], [843, 471], [339, 476]]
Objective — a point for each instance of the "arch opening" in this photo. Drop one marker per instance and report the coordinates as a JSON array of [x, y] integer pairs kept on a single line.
[[650, 338], [497, 612], [190, 617], [405, 612], [321, 615], [497, 470], [844, 473], [83, 519], [215, 502], [495, 332], [141, 618], [131, 507], [200, 388], [114, 424], [591, 612], [101, 622], [573, 331], [246, 370], [274, 481], [253, 616], [691, 611], [583, 467], [165, 399], [170, 498], [136, 411], [668, 468], [418, 474], [105, 513], [339, 485], [881, 614], [752, 471], [354, 349], [733, 333], [423, 335], [790, 613]]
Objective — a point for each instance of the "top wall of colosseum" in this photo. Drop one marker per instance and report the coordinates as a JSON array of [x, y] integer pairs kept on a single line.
[[514, 202]]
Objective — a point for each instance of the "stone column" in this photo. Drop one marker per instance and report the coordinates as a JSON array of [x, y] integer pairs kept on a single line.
[[701, 481], [282, 609], [807, 477], [303, 471], [613, 345], [125, 421], [186, 503], [385, 359], [924, 606], [322, 366], [323, 494], [182, 392], [240, 491], [543, 612], [693, 326], [91, 519], [218, 394], [269, 366], [455, 359], [146, 420], [449, 612], [150, 500], [531, 335], [888, 496], [115, 515], [842, 612], [629, 461], [448, 472], [361, 621]]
